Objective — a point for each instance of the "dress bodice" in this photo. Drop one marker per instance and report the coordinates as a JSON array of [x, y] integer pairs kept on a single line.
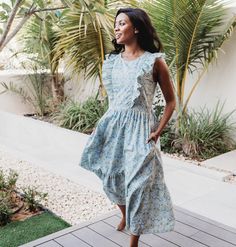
[[130, 84]]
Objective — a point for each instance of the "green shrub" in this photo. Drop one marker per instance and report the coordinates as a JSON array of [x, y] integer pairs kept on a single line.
[[5, 208], [167, 138], [34, 92], [80, 117], [9, 197], [159, 104], [8, 183], [205, 134], [33, 198]]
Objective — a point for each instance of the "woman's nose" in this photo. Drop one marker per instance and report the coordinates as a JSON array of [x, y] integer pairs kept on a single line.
[[116, 28]]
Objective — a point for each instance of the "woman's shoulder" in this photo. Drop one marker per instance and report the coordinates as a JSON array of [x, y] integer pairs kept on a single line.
[[109, 61], [151, 58], [155, 55]]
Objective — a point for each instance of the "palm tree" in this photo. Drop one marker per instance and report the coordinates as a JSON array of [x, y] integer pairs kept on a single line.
[[192, 33], [85, 36], [40, 38]]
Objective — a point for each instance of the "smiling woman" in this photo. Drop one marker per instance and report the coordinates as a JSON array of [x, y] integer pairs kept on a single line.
[[124, 149]]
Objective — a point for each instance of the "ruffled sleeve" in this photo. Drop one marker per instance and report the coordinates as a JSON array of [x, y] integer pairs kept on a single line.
[[107, 74], [145, 83]]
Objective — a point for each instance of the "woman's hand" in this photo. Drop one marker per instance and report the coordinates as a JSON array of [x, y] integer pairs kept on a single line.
[[153, 136]]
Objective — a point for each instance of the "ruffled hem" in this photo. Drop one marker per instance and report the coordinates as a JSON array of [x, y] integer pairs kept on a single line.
[[165, 227], [103, 175], [146, 70]]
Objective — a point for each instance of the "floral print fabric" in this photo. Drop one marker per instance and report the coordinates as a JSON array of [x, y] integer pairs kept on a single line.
[[117, 152]]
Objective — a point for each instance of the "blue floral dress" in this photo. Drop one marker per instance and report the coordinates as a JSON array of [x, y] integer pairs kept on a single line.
[[117, 152]]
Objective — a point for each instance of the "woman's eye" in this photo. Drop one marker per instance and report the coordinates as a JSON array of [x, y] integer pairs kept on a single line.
[[119, 24]]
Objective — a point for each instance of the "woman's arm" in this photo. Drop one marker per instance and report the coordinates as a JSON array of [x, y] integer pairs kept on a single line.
[[161, 74]]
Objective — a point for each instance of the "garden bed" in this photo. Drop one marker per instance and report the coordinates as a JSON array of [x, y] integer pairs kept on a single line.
[[21, 232], [71, 201]]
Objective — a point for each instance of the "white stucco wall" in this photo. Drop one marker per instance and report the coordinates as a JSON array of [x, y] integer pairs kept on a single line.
[[75, 89], [9, 101]]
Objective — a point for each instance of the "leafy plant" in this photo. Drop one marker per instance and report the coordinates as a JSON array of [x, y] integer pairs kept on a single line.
[[5, 211], [7, 187], [192, 33], [34, 92], [85, 36], [205, 134], [23, 10], [11, 201], [80, 117], [39, 38], [2, 180], [158, 105], [167, 138], [8, 183], [33, 198]]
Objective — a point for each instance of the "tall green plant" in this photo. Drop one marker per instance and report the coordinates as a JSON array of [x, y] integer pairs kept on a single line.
[[39, 38], [34, 91], [192, 33], [205, 133]]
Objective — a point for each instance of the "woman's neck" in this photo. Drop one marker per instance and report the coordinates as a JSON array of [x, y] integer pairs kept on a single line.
[[132, 51]]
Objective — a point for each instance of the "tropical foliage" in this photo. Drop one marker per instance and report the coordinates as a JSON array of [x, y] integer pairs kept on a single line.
[[23, 9], [192, 33], [81, 117], [202, 134], [36, 28], [85, 36], [39, 38], [34, 90], [11, 201]]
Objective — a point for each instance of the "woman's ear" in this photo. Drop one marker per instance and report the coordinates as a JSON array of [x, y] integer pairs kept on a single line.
[[136, 31]]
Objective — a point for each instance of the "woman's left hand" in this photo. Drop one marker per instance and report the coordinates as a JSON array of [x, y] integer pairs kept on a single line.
[[153, 136]]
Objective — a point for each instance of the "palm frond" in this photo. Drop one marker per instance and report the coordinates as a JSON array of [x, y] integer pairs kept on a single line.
[[192, 32], [17, 90]]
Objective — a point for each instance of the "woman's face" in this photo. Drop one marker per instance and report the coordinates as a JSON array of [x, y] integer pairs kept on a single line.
[[124, 30]]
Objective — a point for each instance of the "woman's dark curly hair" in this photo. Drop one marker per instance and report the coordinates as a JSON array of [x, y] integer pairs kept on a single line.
[[147, 37]]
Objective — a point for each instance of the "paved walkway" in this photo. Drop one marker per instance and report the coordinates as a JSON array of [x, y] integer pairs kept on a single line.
[[197, 189], [191, 230]]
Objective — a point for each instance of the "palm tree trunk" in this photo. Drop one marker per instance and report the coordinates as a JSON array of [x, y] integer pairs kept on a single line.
[[57, 89]]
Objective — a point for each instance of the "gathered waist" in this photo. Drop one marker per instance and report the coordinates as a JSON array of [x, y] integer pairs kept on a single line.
[[133, 109]]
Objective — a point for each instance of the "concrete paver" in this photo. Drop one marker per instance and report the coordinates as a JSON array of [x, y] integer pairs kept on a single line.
[[225, 161]]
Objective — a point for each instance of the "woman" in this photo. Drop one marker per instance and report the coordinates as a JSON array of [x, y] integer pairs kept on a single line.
[[124, 148]]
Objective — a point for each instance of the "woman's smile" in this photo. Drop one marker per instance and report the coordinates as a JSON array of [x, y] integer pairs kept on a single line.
[[118, 35], [124, 30]]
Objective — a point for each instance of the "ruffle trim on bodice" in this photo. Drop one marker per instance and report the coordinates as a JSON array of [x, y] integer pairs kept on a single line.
[[145, 75], [107, 73], [143, 82]]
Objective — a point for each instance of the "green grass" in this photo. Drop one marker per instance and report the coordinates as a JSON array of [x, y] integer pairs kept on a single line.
[[21, 232]]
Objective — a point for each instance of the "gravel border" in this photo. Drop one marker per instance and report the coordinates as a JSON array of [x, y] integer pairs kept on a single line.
[[72, 202]]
